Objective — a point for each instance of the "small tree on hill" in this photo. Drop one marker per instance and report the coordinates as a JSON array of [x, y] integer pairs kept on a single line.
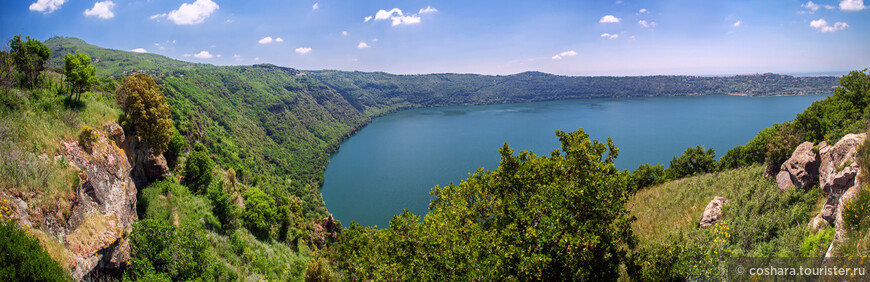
[[147, 110], [197, 169], [79, 72], [29, 57]]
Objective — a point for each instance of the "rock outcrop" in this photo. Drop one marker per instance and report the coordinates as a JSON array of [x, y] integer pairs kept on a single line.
[[801, 170], [712, 212], [103, 209], [147, 167]]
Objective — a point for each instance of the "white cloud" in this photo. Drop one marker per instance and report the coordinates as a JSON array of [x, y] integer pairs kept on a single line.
[[375, 40], [367, 19], [315, 7], [237, 57], [203, 55], [265, 40], [642, 11], [218, 56], [186, 55], [609, 19], [101, 10], [303, 50], [344, 33], [737, 23], [852, 5], [427, 10], [139, 50], [362, 45], [279, 39], [46, 6], [810, 6], [158, 16], [256, 58], [569, 53], [822, 26], [397, 17], [188, 13], [646, 24], [609, 36], [830, 7]]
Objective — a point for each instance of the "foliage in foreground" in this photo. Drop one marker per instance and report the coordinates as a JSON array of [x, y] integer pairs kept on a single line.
[[533, 218], [23, 259]]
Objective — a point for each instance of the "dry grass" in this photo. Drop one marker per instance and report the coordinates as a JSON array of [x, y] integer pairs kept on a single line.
[[95, 232], [54, 248]]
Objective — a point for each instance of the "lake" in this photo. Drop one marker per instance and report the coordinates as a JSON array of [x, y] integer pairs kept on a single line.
[[392, 163]]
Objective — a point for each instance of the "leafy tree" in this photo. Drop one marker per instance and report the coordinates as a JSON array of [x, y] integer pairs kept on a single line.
[[647, 175], [29, 56], [198, 169], [7, 75], [561, 217], [161, 250], [79, 73], [223, 207], [23, 259], [147, 109], [260, 212], [694, 161], [174, 149]]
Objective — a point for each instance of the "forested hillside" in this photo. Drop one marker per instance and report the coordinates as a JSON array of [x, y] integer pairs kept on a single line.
[[378, 93]]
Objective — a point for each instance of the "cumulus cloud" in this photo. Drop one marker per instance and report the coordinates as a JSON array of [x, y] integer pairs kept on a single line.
[[811, 6], [609, 19], [101, 10], [46, 6], [218, 56], [642, 11], [367, 19], [830, 7], [315, 7], [397, 17], [822, 26], [303, 50], [139, 50], [237, 57], [609, 36], [256, 58], [344, 33], [363, 45], [203, 55], [569, 53], [427, 10], [190, 13], [279, 39], [646, 24], [737, 23], [268, 39], [852, 5]]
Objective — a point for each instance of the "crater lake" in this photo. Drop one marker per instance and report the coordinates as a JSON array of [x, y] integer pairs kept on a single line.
[[393, 162]]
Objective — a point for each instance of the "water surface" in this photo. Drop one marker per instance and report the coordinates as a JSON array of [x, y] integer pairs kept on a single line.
[[392, 163]]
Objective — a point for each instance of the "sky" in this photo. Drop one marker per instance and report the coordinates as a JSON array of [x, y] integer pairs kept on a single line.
[[612, 37]]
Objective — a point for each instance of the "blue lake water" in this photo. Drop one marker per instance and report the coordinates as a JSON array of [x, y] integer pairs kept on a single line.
[[392, 163]]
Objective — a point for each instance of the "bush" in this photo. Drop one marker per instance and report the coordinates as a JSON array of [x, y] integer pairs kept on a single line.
[[694, 161], [174, 149], [161, 250], [815, 245], [87, 138], [23, 259], [198, 169], [647, 175], [223, 207], [260, 212], [148, 111], [856, 209], [317, 271]]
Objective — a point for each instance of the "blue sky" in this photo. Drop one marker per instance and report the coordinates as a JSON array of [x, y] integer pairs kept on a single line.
[[489, 37]]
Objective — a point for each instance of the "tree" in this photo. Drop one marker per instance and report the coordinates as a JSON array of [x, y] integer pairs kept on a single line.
[[197, 169], [29, 57], [694, 161], [260, 212], [162, 251], [23, 259], [174, 149], [561, 217], [79, 72], [147, 109], [647, 175], [6, 72]]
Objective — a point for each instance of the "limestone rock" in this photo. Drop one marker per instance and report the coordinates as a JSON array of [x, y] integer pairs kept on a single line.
[[838, 177], [147, 167], [712, 212], [801, 170]]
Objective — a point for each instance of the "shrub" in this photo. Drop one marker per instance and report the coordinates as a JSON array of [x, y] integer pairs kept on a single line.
[[856, 209], [148, 111], [197, 169], [23, 259], [161, 250], [647, 175], [174, 149], [694, 161], [87, 138], [317, 271], [815, 244], [260, 212], [223, 207]]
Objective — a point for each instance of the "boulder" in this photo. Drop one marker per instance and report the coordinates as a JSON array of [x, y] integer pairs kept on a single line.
[[838, 177], [147, 167], [801, 170], [712, 212]]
